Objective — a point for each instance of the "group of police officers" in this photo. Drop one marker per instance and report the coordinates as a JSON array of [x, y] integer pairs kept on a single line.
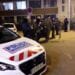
[[42, 27]]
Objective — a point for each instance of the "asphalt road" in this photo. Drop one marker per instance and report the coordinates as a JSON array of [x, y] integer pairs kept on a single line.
[[61, 54]]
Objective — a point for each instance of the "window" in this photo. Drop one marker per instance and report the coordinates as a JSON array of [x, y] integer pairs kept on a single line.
[[50, 3], [21, 4], [53, 3], [63, 1], [35, 3], [63, 8], [8, 6]]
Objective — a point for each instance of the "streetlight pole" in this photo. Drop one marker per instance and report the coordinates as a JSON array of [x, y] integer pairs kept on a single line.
[[69, 13]]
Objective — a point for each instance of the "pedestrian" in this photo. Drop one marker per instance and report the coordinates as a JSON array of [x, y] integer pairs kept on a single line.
[[53, 28], [26, 28], [38, 29], [66, 25], [57, 26], [33, 27], [47, 23]]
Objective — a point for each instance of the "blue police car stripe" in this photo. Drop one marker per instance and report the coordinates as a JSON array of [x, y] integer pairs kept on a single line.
[[17, 46]]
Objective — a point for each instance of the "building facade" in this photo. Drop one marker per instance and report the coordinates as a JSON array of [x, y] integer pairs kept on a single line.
[[16, 9], [72, 8], [63, 9]]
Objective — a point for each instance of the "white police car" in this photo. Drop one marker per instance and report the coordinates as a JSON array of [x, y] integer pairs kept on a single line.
[[20, 55]]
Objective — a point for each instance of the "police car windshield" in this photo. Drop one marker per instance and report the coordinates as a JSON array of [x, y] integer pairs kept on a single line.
[[7, 35]]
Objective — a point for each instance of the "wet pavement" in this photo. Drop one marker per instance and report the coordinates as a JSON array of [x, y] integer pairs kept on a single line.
[[61, 54]]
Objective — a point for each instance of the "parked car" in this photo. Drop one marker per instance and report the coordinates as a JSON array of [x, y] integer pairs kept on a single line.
[[20, 55], [10, 26]]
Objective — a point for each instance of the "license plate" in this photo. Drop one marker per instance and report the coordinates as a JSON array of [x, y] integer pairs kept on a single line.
[[37, 68]]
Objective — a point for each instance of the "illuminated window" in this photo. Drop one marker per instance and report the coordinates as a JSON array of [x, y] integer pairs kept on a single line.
[[8, 6], [21, 4]]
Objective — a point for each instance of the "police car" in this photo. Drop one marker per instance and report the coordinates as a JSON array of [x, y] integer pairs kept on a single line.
[[20, 55]]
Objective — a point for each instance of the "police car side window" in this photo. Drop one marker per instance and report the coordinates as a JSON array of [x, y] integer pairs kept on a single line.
[[7, 35]]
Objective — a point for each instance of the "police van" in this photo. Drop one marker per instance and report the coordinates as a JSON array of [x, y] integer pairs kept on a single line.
[[20, 55]]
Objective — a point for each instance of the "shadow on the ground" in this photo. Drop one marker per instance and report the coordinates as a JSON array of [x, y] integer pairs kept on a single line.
[[53, 55], [50, 40]]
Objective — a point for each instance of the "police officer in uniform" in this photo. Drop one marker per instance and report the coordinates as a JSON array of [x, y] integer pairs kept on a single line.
[[53, 28], [66, 25], [26, 28], [57, 26], [47, 27]]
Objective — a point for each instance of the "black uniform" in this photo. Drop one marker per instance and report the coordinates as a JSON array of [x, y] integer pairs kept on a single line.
[[26, 28], [53, 28], [57, 26], [65, 24], [48, 25]]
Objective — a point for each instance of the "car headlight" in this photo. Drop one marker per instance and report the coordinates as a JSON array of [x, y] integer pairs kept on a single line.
[[4, 66]]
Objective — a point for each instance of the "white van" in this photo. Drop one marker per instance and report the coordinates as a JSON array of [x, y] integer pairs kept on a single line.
[[10, 26]]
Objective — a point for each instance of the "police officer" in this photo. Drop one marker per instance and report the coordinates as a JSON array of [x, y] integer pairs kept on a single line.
[[33, 26], [66, 25], [38, 29], [53, 28], [26, 28], [47, 27], [57, 26]]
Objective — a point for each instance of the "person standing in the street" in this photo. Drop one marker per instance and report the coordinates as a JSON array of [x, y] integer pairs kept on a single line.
[[47, 27], [53, 28], [26, 28], [33, 26], [66, 24], [38, 29], [57, 26]]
